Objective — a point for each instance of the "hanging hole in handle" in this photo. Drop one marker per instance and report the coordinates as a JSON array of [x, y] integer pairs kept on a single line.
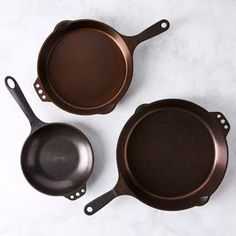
[[164, 25], [10, 82], [89, 209]]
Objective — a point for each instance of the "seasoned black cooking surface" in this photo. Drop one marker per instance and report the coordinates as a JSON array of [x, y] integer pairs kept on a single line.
[[170, 153]]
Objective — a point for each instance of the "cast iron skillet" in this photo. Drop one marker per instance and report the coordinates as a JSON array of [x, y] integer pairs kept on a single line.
[[85, 66], [171, 155], [56, 158]]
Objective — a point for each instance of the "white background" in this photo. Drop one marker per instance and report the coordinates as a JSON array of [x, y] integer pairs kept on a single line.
[[194, 60]]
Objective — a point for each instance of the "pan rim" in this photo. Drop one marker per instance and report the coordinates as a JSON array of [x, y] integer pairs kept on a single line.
[[212, 168], [90, 167], [138, 192], [62, 103]]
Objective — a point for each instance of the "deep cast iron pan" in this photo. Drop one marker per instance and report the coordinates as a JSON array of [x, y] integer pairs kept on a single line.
[[85, 66], [171, 154], [56, 158]]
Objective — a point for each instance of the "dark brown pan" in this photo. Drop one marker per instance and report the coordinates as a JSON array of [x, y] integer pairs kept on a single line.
[[171, 155], [56, 158], [85, 66]]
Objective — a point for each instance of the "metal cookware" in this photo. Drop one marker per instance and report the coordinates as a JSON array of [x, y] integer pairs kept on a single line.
[[85, 66], [56, 158], [171, 154]]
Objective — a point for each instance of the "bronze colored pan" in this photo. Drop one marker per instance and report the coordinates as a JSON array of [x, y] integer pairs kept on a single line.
[[171, 155], [56, 158], [85, 66]]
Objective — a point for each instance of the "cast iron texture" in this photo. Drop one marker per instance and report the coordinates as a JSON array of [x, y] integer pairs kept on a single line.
[[171, 154], [56, 158], [85, 66]]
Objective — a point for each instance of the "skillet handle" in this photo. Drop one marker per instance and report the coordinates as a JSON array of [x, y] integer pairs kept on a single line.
[[222, 122], [62, 25], [79, 192], [19, 97], [154, 30], [107, 109], [40, 91], [100, 202], [203, 200]]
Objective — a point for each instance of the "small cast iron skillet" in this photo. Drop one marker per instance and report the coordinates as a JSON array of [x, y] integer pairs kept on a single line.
[[56, 158], [85, 66], [171, 155]]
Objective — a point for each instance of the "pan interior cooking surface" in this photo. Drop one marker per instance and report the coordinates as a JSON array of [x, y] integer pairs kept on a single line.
[[86, 68], [56, 158], [170, 153]]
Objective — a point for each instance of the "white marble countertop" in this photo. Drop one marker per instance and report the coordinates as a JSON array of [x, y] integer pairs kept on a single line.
[[194, 60]]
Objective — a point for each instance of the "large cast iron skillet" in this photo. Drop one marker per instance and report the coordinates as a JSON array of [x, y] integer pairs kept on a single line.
[[85, 66], [171, 155]]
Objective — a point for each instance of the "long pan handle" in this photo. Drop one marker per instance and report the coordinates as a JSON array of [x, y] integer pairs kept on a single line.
[[19, 97], [100, 202], [154, 30]]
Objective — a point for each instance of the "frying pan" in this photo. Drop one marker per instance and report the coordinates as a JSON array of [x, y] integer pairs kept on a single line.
[[171, 154], [85, 66], [56, 158]]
